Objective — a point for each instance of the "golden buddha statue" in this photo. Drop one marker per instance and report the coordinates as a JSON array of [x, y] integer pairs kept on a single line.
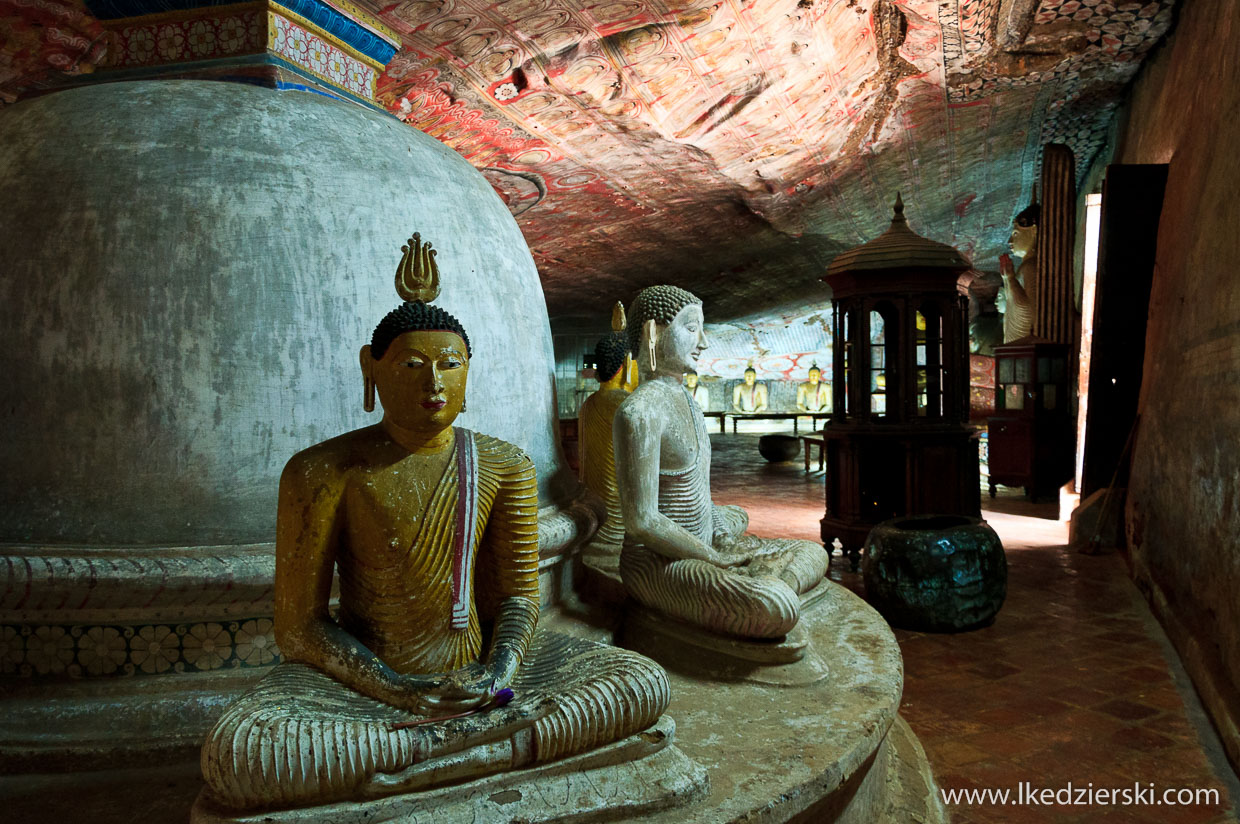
[[594, 420], [434, 533], [814, 395], [1020, 286], [683, 556], [749, 396], [701, 395]]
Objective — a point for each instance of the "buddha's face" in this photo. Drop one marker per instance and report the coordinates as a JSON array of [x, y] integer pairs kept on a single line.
[[691, 380], [750, 377], [814, 377], [421, 380], [1023, 238], [681, 341]]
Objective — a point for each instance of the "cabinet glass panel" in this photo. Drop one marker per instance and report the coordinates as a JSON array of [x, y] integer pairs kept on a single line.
[[1022, 367], [1005, 370], [878, 365], [1044, 369], [1049, 396], [1014, 396]]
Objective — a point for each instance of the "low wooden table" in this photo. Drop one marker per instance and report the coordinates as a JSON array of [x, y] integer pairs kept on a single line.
[[814, 440], [723, 419], [777, 416]]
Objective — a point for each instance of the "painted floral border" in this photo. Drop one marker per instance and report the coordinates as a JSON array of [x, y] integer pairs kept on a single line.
[[206, 38], [79, 651]]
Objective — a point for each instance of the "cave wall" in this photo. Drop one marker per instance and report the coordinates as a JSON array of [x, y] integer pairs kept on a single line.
[[1182, 517]]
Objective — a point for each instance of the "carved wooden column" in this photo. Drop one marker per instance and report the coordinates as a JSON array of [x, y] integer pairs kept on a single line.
[[1054, 306]]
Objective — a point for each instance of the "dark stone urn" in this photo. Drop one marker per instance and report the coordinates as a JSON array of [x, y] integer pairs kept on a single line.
[[936, 573], [779, 448]]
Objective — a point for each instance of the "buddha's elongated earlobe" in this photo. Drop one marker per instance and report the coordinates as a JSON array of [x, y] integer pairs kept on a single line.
[[464, 405], [368, 379], [650, 336]]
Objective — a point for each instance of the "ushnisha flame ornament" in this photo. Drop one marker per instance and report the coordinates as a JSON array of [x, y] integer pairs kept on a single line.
[[417, 276]]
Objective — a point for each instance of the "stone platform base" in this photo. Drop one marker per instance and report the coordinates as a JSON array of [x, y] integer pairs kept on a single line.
[[833, 751], [642, 774], [790, 661]]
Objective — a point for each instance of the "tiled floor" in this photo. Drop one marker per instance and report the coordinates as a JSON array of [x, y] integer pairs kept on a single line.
[[1074, 682]]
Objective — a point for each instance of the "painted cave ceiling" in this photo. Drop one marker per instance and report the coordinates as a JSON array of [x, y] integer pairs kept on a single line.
[[729, 146]]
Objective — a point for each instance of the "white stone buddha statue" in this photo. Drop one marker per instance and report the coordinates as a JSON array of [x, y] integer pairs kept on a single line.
[[749, 396], [1020, 286], [701, 395], [814, 395], [683, 556]]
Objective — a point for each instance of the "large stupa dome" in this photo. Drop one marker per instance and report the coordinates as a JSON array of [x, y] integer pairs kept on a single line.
[[191, 269]]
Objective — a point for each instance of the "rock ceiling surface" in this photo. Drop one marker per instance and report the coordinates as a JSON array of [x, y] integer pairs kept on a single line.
[[729, 146]]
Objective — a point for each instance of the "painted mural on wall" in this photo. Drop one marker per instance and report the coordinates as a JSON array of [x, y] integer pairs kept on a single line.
[[735, 143], [42, 40], [781, 348]]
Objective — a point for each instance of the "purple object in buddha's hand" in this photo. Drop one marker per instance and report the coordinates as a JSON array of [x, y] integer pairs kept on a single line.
[[501, 698]]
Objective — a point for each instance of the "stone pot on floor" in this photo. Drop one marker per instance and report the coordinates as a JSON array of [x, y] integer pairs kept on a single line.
[[937, 573], [777, 448]]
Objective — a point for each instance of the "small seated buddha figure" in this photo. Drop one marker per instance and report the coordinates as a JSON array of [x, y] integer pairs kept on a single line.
[[701, 395], [598, 463], [749, 396], [814, 395], [1020, 286], [434, 533], [683, 556]]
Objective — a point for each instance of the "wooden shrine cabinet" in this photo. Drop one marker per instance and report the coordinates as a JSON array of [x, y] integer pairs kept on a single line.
[[898, 442], [1031, 435]]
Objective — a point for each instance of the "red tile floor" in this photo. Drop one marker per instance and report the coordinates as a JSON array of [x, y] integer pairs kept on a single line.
[[1073, 683]]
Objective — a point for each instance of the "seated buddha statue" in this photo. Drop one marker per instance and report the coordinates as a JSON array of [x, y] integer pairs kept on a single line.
[[749, 396], [433, 531], [597, 463], [814, 395], [701, 395], [1020, 286], [684, 556]]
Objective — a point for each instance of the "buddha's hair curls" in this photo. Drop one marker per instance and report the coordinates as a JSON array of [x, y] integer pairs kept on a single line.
[[660, 304], [609, 355], [414, 316], [1031, 215]]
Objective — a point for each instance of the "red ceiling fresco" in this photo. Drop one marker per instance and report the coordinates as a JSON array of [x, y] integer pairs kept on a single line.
[[730, 146]]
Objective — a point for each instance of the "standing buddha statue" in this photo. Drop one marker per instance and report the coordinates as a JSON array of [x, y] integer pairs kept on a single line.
[[433, 531], [683, 556], [1020, 286], [598, 464], [749, 396]]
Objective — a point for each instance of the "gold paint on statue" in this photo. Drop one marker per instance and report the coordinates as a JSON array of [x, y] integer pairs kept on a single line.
[[417, 276], [434, 533], [598, 461]]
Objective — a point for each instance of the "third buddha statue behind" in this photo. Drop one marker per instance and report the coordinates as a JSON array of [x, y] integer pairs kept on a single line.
[[597, 457]]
